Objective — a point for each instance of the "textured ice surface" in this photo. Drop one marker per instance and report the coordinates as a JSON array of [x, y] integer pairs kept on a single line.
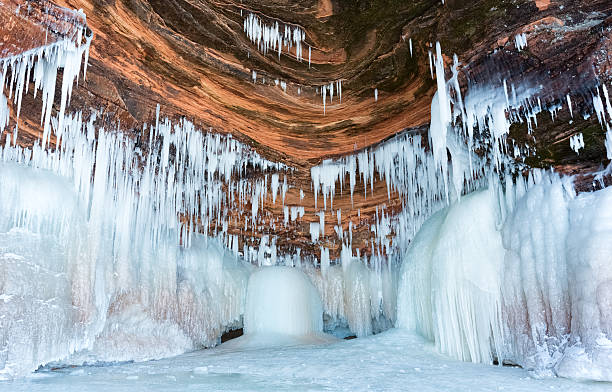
[[522, 276], [356, 297], [449, 288], [66, 287], [393, 361]]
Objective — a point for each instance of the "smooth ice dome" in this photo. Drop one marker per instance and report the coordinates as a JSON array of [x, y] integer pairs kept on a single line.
[[282, 300]]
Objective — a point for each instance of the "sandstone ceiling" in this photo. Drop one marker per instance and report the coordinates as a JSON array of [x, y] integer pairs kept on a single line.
[[193, 58]]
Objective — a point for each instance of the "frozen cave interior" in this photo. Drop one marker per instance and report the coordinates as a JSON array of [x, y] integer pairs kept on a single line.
[[106, 253]]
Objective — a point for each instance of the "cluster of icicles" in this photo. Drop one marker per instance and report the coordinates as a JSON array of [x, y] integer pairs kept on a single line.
[[517, 273], [269, 37], [273, 37], [117, 251], [105, 249], [42, 64]]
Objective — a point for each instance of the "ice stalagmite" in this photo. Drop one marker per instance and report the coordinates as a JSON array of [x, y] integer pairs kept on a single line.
[[282, 300]]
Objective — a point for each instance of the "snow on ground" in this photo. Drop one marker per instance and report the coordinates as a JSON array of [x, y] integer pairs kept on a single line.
[[392, 361]]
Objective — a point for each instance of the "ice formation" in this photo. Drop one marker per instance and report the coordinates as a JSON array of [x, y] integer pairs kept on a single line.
[[93, 269], [275, 37], [112, 250], [42, 63], [328, 90], [577, 142], [600, 108], [355, 296], [125, 273], [516, 276], [98, 220], [282, 300], [500, 275], [104, 267], [449, 288], [520, 41]]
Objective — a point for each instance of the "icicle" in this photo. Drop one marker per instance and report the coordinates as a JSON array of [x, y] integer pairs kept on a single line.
[[577, 142], [440, 115], [520, 41], [324, 93], [309, 53]]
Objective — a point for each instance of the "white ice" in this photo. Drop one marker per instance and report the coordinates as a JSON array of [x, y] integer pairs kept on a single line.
[[520, 276], [282, 300], [392, 361]]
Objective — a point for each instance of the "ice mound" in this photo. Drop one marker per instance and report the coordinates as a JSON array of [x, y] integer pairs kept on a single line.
[[38, 320], [449, 289], [520, 276], [282, 300]]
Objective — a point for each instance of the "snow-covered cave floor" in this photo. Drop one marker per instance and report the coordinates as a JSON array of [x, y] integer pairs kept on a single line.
[[392, 361]]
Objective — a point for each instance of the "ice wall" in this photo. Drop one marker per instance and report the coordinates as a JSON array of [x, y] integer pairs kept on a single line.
[[449, 288], [519, 276], [356, 296], [67, 289]]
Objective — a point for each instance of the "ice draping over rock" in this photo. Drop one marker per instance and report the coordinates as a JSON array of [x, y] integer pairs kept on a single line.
[[517, 275], [420, 175], [461, 254], [275, 37], [111, 224], [86, 282], [69, 53], [126, 265], [101, 221]]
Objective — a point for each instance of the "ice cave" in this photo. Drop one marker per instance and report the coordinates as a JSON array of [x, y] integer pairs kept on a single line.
[[317, 195]]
